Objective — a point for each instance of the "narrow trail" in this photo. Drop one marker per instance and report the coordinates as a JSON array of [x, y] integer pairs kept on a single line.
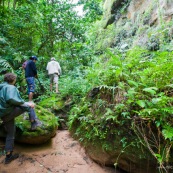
[[61, 155]]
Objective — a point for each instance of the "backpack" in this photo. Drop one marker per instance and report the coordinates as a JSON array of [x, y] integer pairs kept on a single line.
[[24, 64]]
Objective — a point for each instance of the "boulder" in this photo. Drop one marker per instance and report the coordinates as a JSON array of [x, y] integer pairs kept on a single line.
[[41, 135], [130, 159], [59, 107]]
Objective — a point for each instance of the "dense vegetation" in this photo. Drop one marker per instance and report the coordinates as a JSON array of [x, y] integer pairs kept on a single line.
[[43, 29], [134, 86]]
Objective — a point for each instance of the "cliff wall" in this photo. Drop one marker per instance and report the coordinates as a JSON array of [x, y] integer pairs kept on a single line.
[[137, 23]]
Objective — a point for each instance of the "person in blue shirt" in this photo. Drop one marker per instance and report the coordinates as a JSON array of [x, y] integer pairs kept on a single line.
[[30, 75]]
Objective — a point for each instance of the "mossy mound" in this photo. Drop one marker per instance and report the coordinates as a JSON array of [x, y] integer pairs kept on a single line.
[[59, 106], [53, 103], [42, 134]]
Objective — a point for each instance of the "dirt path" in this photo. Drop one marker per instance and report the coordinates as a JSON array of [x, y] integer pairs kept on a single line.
[[61, 155]]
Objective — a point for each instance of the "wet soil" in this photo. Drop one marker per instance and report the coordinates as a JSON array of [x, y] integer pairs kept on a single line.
[[62, 154]]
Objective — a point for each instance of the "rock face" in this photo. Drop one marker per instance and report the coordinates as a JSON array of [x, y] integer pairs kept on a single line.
[[41, 135], [139, 7], [130, 156], [140, 20], [110, 9], [128, 161], [136, 8]]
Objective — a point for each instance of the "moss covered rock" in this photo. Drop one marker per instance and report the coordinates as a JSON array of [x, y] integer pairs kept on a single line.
[[42, 134], [112, 137], [130, 158], [58, 106]]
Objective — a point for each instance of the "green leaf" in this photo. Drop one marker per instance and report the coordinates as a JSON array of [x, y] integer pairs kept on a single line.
[[168, 132], [131, 92], [156, 100], [157, 123], [141, 103], [133, 83], [151, 90], [171, 85], [159, 157]]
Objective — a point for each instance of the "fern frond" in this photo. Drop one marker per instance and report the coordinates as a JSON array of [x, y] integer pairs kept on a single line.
[[5, 65]]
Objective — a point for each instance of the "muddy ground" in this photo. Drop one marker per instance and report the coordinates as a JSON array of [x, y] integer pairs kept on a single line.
[[60, 155]]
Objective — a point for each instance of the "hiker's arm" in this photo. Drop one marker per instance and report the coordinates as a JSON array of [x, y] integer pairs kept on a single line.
[[28, 104], [13, 97]]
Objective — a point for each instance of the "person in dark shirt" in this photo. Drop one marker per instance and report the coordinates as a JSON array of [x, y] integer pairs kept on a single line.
[[30, 75]]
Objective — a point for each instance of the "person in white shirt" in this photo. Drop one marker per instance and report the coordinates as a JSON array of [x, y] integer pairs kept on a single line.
[[54, 72]]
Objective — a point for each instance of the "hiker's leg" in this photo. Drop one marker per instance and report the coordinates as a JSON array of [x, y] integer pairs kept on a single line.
[[9, 124], [9, 143], [51, 82], [16, 112], [30, 96], [56, 87], [35, 122], [10, 129], [31, 87], [51, 87], [56, 82], [32, 114]]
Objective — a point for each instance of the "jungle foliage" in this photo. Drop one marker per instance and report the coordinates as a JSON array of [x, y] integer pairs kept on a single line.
[[133, 86], [134, 92], [45, 29]]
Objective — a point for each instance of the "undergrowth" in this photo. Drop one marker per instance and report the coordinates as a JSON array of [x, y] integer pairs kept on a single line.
[[134, 92]]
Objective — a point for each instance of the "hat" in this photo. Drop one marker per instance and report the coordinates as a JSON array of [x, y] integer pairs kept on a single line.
[[52, 59], [33, 58]]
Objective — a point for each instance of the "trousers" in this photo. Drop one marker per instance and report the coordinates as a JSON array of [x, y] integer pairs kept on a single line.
[[9, 124]]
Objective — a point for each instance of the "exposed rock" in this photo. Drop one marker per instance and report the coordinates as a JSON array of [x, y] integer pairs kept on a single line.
[[133, 157], [124, 46], [140, 13], [141, 40], [136, 8], [111, 11], [41, 135], [129, 160], [142, 7]]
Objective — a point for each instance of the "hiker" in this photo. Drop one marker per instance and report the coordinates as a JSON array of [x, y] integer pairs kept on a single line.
[[30, 75], [11, 106], [54, 72]]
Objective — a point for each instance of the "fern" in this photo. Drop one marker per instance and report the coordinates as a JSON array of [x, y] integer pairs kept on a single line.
[[5, 66]]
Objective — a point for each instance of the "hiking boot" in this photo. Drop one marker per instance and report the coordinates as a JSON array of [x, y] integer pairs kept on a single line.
[[35, 124], [10, 158]]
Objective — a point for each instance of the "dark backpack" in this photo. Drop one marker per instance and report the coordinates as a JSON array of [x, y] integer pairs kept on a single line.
[[24, 64]]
